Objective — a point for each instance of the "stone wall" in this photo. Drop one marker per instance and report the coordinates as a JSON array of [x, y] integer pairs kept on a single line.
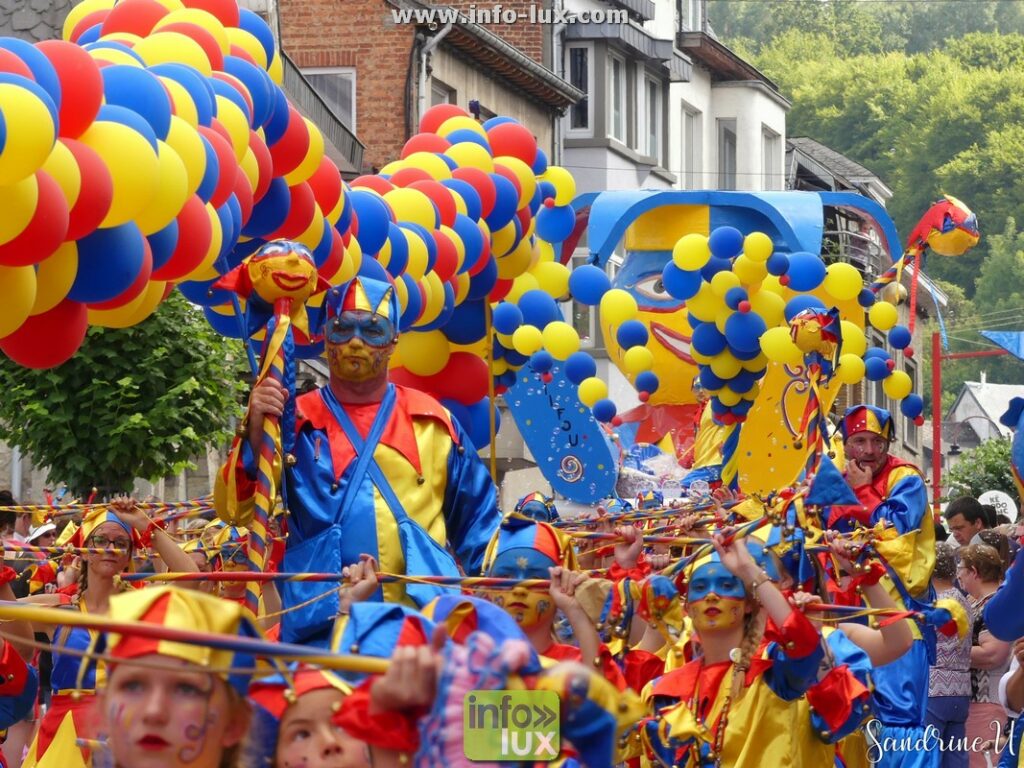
[[33, 20]]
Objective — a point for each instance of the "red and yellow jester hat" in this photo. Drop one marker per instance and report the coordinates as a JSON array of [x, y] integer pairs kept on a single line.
[[183, 609], [96, 517], [867, 418], [526, 548], [275, 694]]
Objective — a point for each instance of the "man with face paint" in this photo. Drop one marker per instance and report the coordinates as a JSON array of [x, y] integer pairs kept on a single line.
[[375, 468]]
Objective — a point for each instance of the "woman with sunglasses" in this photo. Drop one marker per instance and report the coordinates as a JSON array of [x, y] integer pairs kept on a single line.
[[115, 533]]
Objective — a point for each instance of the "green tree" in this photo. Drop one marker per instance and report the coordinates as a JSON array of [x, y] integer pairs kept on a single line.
[[985, 468], [132, 403]]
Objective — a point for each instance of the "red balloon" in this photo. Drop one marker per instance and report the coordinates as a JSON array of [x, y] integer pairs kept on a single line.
[[45, 231], [205, 40], [524, 216], [95, 194], [425, 142], [225, 10], [87, 22], [194, 233], [406, 177], [335, 257], [48, 339], [81, 85], [483, 185], [243, 193], [291, 148], [241, 53], [436, 115], [264, 163], [500, 289], [226, 159], [441, 197], [514, 140], [300, 215], [378, 184], [447, 261], [137, 287], [13, 65], [326, 185], [135, 16]]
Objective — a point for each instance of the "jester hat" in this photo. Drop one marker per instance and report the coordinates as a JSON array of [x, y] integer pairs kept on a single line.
[[376, 629], [650, 500], [538, 506], [96, 517], [530, 547], [278, 692], [712, 562], [224, 540], [367, 294], [178, 608], [867, 418]]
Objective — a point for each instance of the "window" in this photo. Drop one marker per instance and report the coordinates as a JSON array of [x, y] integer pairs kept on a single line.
[[727, 154], [771, 162], [337, 87], [584, 317], [690, 15], [579, 77], [440, 93], [691, 172], [652, 106], [617, 98]]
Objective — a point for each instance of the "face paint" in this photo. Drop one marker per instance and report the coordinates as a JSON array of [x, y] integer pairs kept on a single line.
[[307, 735], [356, 361], [529, 607], [716, 599]]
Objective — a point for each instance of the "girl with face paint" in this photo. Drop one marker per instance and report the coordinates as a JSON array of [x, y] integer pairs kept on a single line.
[[738, 704]]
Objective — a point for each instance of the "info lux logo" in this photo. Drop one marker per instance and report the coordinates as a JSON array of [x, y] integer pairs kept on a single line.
[[511, 725]]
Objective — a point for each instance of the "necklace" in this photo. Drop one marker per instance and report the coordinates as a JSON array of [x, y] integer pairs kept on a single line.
[[721, 723]]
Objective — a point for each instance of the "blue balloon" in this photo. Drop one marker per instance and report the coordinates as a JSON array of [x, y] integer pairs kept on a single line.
[[90, 36], [452, 165], [465, 134], [546, 188], [714, 266], [371, 268], [469, 196], [538, 308], [257, 27], [708, 379], [777, 264], [647, 381], [446, 311], [162, 244], [467, 324], [497, 120], [707, 340], [742, 408], [682, 284], [112, 113], [806, 271], [201, 292], [588, 284], [373, 216], [277, 124], [271, 211], [229, 92], [734, 297], [211, 173], [472, 240], [516, 359], [540, 163], [541, 361], [322, 251], [744, 353], [725, 242], [479, 432], [876, 369], [483, 282], [43, 71], [506, 203], [743, 331], [632, 333], [866, 298], [604, 410], [507, 318], [399, 250], [460, 413], [899, 336], [109, 261], [230, 215], [257, 82], [195, 84], [912, 406], [743, 381], [507, 379], [428, 241], [536, 201], [225, 325], [876, 352], [580, 366], [414, 304], [345, 220], [798, 304], [140, 91]]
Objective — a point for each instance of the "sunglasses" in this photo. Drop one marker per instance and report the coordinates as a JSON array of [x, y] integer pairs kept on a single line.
[[238, 556], [103, 542], [375, 330]]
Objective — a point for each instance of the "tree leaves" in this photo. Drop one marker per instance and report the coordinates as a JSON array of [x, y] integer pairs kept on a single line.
[[985, 468]]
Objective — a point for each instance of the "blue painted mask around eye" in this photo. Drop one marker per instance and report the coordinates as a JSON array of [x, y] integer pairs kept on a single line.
[[714, 577], [521, 563]]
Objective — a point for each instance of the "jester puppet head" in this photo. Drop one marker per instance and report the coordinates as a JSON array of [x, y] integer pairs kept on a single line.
[[281, 269], [361, 329], [949, 228], [526, 549]]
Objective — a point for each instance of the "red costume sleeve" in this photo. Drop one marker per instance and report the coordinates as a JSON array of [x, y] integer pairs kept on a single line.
[[388, 730], [607, 667], [640, 667], [13, 672], [798, 636], [868, 496]]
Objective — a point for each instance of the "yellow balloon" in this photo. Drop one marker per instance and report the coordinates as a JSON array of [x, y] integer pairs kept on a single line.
[[637, 360], [62, 167], [769, 307], [503, 240], [114, 56], [315, 231], [251, 169], [54, 277], [171, 193], [461, 122], [527, 339], [563, 182], [350, 264], [234, 120], [724, 365], [416, 267], [842, 281], [462, 287], [17, 295], [779, 347], [30, 133], [206, 269], [80, 11], [883, 315], [723, 282], [132, 313], [552, 277], [757, 246], [897, 385], [516, 262], [184, 106], [249, 44], [560, 339], [176, 48], [524, 175], [749, 272], [200, 18], [18, 202], [424, 353], [617, 306], [854, 341], [756, 364], [547, 250], [121, 37], [705, 305], [402, 293], [851, 369], [728, 397], [276, 70], [413, 206], [429, 162], [134, 168], [186, 142], [520, 285], [505, 339], [691, 251], [469, 154], [592, 389], [434, 303]]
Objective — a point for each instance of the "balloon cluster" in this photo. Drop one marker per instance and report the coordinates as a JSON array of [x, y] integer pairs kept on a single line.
[[135, 154]]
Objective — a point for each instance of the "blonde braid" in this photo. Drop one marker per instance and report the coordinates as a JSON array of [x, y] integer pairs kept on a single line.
[[752, 635], [83, 583]]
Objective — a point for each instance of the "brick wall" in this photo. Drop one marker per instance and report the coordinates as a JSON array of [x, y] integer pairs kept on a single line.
[[528, 38], [359, 34]]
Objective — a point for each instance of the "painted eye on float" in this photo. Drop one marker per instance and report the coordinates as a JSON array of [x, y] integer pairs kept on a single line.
[[652, 287]]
